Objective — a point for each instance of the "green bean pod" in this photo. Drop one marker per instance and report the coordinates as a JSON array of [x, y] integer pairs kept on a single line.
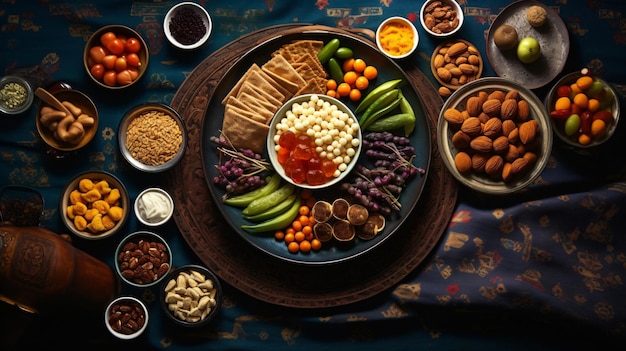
[[274, 211], [381, 113], [244, 200], [376, 93], [268, 201], [279, 222], [382, 101], [328, 50], [390, 123], [405, 107]]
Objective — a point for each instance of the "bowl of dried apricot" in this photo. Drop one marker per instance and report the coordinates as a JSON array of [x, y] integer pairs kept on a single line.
[[94, 205], [152, 137], [494, 136]]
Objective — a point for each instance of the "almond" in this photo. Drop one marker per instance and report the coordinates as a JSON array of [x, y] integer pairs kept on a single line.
[[455, 72], [483, 96], [508, 110], [511, 154], [453, 116], [481, 144], [463, 162], [438, 61], [460, 140], [497, 94], [523, 110], [444, 74], [473, 60], [501, 144], [478, 162], [519, 165], [492, 107], [512, 94], [513, 136], [457, 49], [527, 131], [494, 165], [506, 172], [507, 126], [483, 117], [467, 68], [493, 127], [471, 126], [473, 106], [530, 156], [444, 91]]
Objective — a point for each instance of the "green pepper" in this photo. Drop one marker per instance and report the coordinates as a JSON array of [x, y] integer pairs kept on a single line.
[[268, 201], [381, 113], [396, 121], [405, 107], [244, 200], [382, 101], [279, 222], [274, 211], [328, 50]]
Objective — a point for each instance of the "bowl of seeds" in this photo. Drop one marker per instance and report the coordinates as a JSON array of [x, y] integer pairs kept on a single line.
[[187, 26], [152, 137], [16, 95]]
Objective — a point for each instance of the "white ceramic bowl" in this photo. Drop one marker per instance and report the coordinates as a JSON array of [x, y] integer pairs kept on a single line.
[[384, 45], [154, 207], [148, 162], [95, 177], [454, 24], [608, 98], [278, 117], [198, 14], [152, 247], [116, 313], [481, 181], [6, 83]]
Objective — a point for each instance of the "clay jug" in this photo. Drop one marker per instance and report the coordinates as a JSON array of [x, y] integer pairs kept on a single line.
[[40, 271]]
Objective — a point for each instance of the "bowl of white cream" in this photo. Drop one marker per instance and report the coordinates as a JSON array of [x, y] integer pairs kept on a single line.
[[154, 207]]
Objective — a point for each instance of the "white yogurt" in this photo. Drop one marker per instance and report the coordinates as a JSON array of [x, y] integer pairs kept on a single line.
[[154, 206]]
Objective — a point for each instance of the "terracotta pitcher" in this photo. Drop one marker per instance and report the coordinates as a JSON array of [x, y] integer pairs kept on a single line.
[[40, 270]]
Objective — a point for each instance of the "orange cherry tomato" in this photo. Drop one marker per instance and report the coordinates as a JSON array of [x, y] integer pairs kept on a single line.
[[133, 60], [133, 45], [97, 53], [109, 62], [134, 72], [110, 78], [120, 64], [107, 38], [124, 77], [97, 71], [116, 46]]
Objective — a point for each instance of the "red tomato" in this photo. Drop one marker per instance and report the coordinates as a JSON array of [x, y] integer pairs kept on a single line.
[[120, 64], [134, 73], [110, 78], [133, 60], [116, 46], [107, 38], [109, 62], [97, 53], [97, 71], [133, 45], [124, 78]]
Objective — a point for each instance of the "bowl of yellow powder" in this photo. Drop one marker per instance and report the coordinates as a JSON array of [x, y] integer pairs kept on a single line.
[[397, 37]]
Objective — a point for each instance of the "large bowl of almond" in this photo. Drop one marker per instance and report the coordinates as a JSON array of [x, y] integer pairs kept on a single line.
[[494, 136]]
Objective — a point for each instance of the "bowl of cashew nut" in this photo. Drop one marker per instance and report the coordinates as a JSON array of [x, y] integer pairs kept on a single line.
[[68, 124]]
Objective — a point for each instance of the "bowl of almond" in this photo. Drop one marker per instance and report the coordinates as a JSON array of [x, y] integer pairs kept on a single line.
[[494, 136]]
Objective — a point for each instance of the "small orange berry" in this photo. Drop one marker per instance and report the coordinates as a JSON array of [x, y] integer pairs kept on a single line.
[[350, 77], [279, 235], [293, 247], [348, 64], [289, 237], [331, 93], [316, 244], [584, 139], [304, 220], [562, 103], [304, 210], [331, 84], [598, 127], [355, 94], [359, 65], [581, 100], [343, 89], [593, 105], [362, 83], [305, 246], [299, 236], [584, 82], [370, 72]]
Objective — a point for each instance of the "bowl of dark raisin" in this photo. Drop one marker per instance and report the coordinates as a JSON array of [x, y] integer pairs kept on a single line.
[[187, 25]]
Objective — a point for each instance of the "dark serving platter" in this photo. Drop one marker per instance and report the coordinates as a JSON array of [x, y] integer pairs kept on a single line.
[[331, 252]]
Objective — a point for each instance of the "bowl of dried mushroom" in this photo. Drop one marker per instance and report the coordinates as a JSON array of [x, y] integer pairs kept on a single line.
[[152, 137], [494, 136]]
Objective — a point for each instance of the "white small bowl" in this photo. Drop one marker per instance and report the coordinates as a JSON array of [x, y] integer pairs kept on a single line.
[[403, 22], [199, 11], [127, 300], [271, 144], [154, 207], [455, 7]]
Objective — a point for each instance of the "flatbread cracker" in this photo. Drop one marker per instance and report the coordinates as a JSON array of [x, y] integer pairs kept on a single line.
[[281, 70], [258, 113], [259, 94], [232, 109], [245, 133]]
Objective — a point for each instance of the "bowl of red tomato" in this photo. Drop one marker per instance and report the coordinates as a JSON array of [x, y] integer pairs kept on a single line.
[[115, 57], [314, 141]]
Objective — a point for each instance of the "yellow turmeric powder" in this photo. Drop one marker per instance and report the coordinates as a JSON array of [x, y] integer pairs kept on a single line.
[[396, 38]]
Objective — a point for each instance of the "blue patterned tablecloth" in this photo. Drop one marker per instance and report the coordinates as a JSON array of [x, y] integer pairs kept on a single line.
[[544, 269]]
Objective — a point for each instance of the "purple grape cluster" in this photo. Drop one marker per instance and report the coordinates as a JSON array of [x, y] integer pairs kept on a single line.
[[379, 188], [239, 170]]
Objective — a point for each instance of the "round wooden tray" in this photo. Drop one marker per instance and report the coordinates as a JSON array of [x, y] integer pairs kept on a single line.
[[264, 277]]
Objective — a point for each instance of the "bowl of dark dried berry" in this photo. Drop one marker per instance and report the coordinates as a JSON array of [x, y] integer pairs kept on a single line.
[[187, 25]]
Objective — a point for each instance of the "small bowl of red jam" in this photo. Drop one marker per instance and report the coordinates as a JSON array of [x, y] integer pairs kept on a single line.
[[314, 141]]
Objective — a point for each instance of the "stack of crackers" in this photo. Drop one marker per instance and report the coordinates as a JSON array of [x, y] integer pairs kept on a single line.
[[249, 106]]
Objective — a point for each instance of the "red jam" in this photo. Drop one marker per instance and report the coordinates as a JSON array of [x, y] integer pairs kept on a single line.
[[301, 161]]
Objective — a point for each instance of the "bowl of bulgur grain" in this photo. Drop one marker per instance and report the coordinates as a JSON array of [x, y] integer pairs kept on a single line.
[[152, 137]]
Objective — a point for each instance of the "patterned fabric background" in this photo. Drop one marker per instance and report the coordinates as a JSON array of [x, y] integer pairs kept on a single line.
[[509, 272]]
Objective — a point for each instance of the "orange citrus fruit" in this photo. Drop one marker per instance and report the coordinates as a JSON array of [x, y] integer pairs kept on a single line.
[[348, 64], [331, 84], [362, 83], [359, 65], [350, 77], [355, 94], [343, 89], [370, 72]]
